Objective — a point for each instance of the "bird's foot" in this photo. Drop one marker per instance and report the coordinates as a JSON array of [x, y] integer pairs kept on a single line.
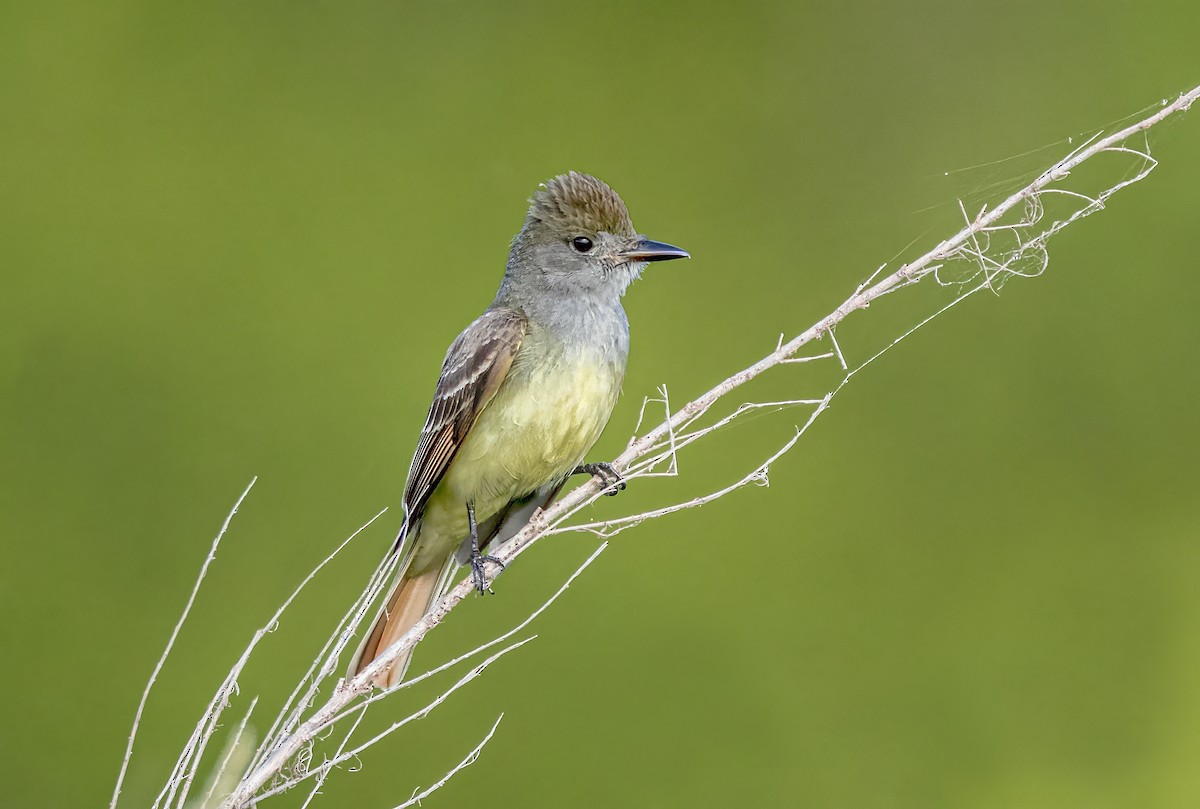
[[612, 479], [479, 572]]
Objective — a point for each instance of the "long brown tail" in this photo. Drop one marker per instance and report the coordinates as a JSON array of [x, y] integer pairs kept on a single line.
[[410, 598]]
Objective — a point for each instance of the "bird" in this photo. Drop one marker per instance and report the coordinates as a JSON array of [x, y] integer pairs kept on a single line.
[[524, 393]]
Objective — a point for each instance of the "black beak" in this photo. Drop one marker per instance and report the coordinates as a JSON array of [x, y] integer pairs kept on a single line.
[[647, 250]]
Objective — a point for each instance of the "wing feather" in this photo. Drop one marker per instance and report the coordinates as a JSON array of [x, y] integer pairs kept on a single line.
[[475, 366]]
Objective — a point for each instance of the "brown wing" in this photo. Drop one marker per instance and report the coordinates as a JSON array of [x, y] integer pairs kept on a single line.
[[476, 364]]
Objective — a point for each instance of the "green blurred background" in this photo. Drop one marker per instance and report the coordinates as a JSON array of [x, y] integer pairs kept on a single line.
[[232, 233]]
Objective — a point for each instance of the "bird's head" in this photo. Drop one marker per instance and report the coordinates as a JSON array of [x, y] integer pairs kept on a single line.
[[578, 238]]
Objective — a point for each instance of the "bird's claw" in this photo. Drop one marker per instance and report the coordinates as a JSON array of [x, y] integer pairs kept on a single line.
[[612, 479], [479, 573]]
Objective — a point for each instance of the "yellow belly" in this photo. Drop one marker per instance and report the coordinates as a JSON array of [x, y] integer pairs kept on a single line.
[[536, 430]]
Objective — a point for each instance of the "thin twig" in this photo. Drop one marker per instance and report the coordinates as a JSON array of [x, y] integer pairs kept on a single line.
[[466, 762], [187, 608], [194, 749], [232, 745], [334, 709], [477, 670]]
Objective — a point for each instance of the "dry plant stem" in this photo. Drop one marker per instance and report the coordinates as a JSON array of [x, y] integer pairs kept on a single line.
[[972, 242], [322, 770], [337, 709], [610, 528], [231, 749], [189, 760], [187, 609], [863, 297], [493, 642], [328, 768], [292, 711], [470, 759]]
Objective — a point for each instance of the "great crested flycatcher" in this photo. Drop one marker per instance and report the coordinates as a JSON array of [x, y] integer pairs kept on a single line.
[[524, 393]]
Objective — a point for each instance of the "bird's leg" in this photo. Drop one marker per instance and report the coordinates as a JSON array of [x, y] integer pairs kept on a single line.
[[478, 573], [605, 471]]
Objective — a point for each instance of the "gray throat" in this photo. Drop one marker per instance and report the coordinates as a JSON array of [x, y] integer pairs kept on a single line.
[[583, 321]]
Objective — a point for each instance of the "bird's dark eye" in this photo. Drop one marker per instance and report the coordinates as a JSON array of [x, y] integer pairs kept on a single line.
[[581, 244]]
